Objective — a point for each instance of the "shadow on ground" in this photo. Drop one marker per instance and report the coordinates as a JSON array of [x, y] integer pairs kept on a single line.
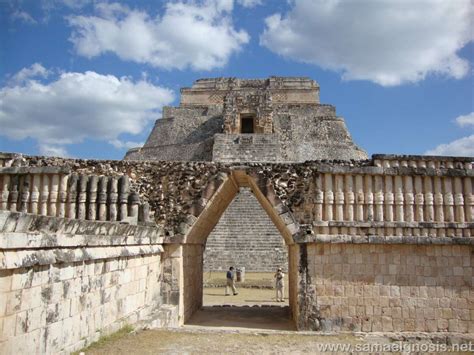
[[266, 317]]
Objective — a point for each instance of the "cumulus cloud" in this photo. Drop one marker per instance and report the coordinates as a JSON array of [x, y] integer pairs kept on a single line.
[[36, 70], [387, 42], [192, 34], [75, 106], [465, 120], [460, 147]]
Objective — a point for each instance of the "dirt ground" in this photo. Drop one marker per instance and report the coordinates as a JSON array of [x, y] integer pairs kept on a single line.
[[185, 341], [247, 296], [254, 323], [251, 279]]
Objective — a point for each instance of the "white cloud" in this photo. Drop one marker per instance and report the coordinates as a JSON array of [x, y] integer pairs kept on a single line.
[[23, 16], [250, 3], [460, 147], [76, 106], [387, 42], [119, 144], [36, 70], [52, 150], [192, 34], [465, 120], [75, 4], [463, 147]]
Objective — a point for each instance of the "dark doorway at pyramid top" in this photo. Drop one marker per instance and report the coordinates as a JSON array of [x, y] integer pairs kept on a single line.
[[281, 117], [247, 124]]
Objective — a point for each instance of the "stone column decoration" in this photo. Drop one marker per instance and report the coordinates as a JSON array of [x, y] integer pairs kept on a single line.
[[144, 213], [328, 197], [102, 198], [389, 199], [448, 199], [438, 200], [429, 199], [134, 201], [4, 192], [350, 197], [339, 198], [378, 198], [318, 199], [369, 198], [469, 199], [409, 199], [399, 217], [82, 197], [113, 197], [62, 198], [44, 195], [13, 196], [72, 183], [124, 190], [53, 195], [92, 192], [459, 200], [25, 193], [35, 193], [359, 198], [419, 199]]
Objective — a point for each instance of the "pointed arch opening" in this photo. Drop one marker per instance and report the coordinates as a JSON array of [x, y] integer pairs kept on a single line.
[[194, 242]]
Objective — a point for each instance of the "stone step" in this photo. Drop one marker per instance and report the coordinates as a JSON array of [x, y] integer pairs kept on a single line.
[[245, 236]]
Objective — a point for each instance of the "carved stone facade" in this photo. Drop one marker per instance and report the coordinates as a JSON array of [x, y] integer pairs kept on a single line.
[[208, 124]]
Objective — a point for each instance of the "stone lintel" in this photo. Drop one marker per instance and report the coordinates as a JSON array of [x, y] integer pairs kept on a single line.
[[14, 259], [374, 224], [22, 170], [422, 157], [351, 239]]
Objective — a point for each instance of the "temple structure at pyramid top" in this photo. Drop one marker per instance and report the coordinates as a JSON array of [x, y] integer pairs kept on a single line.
[[279, 119]]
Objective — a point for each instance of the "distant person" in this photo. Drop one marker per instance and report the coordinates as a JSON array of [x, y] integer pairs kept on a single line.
[[279, 285], [230, 282]]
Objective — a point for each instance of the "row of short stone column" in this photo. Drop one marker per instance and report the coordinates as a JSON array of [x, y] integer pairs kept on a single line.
[[392, 198], [74, 196], [433, 163]]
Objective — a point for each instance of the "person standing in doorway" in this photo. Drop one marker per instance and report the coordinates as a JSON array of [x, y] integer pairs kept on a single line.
[[279, 286], [230, 282]]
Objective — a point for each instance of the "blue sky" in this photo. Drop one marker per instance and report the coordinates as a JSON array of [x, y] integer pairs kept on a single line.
[[87, 79]]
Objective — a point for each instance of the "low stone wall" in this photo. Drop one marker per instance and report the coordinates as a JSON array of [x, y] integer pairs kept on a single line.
[[64, 283], [392, 287]]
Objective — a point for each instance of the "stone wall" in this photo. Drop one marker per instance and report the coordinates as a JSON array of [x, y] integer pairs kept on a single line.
[[245, 237], [412, 207], [64, 283], [183, 134], [192, 279], [393, 288]]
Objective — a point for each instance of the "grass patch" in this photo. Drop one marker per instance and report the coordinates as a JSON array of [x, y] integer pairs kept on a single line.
[[104, 340]]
